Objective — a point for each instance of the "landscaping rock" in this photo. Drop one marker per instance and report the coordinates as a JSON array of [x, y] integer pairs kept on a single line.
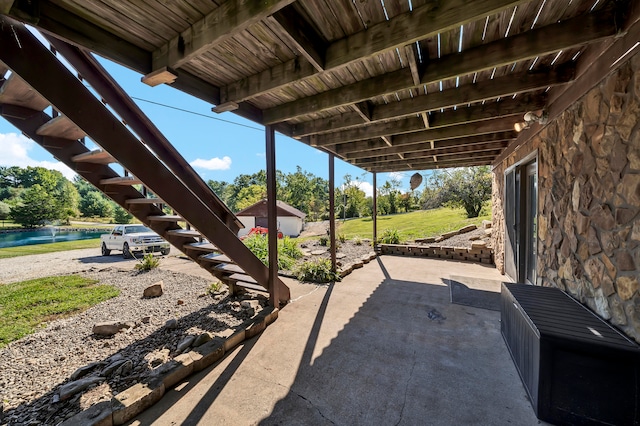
[[109, 328], [466, 229], [82, 371], [185, 343], [154, 290], [111, 368], [69, 389], [250, 303], [202, 339], [486, 224], [318, 252], [171, 324]]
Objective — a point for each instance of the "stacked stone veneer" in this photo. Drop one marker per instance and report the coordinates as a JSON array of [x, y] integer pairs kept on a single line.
[[474, 254], [589, 199]]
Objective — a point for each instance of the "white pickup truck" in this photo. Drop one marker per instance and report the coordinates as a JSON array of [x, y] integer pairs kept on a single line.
[[131, 238]]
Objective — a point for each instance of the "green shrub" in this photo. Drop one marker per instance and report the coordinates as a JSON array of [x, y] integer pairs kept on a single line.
[[147, 263], [324, 241], [390, 236], [289, 247], [259, 245], [214, 287], [357, 240], [342, 238], [317, 271]]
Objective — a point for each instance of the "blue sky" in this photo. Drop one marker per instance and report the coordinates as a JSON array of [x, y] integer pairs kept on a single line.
[[218, 146]]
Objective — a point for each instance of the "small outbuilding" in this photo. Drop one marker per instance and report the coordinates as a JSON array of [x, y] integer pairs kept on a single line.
[[290, 219]]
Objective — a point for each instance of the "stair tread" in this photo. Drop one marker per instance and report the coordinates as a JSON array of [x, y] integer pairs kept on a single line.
[[184, 233], [230, 268], [141, 200], [97, 156], [215, 258], [166, 218], [16, 91], [251, 286], [121, 180], [61, 127], [243, 278], [202, 246]]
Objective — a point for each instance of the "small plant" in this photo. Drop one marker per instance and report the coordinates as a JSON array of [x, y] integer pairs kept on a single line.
[[342, 238], [390, 236], [214, 287], [317, 271], [289, 247], [148, 263], [324, 241], [357, 240]]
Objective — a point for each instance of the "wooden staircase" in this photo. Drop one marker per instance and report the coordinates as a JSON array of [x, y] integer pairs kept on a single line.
[[208, 234]]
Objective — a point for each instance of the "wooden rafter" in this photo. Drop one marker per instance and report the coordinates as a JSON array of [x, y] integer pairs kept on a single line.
[[307, 42], [429, 153], [401, 30], [462, 115], [574, 32], [232, 17], [425, 146]]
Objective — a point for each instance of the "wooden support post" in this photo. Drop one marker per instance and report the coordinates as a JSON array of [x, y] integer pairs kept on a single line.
[[374, 213], [332, 212], [272, 215]]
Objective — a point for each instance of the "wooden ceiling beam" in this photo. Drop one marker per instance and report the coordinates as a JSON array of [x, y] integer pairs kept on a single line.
[[470, 93], [568, 34], [409, 27], [231, 17], [360, 150], [422, 166], [429, 153], [67, 26], [421, 23], [449, 161], [306, 41], [504, 108]]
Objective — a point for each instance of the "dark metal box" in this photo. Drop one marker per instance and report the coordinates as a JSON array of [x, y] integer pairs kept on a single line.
[[576, 368]]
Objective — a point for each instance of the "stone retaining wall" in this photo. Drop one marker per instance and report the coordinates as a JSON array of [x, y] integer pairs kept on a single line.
[[474, 254], [589, 199]]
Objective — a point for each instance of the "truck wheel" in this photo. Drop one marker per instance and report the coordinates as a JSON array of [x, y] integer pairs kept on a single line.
[[105, 250], [165, 251], [126, 253]]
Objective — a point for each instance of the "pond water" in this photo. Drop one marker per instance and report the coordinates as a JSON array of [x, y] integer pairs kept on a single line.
[[45, 236]]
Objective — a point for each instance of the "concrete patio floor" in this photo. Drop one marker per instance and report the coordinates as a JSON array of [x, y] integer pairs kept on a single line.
[[383, 347]]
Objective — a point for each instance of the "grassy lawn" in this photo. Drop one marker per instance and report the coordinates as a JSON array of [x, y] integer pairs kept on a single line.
[[26, 305], [50, 248], [418, 224]]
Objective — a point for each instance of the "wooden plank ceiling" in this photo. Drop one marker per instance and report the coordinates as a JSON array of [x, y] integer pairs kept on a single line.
[[387, 85]]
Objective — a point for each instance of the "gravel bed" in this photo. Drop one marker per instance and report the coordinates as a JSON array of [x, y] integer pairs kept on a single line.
[[465, 240], [34, 368]]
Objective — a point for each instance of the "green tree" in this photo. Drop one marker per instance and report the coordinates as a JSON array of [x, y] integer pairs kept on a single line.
[[120, 215], [94, 203], [36, 208], [468, 187], [250, 195], [5, 210]]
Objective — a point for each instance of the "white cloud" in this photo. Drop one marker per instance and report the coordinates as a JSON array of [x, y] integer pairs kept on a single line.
[[215, 163], [397, 175], [14, 151], [367, 188]]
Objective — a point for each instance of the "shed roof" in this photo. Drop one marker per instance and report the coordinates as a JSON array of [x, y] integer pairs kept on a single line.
[[385, 85], [259, 209]]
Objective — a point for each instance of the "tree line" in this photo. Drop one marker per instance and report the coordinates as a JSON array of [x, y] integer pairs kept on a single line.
[[34, 196]]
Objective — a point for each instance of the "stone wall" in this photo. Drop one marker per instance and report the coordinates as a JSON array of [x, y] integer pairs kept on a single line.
[[589, 199], [479, 252]]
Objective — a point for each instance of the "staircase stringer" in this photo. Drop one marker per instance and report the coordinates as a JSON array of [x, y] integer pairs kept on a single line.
[[69, 96]]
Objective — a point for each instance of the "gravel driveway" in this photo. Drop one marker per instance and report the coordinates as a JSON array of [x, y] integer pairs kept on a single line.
[[42, 265]]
